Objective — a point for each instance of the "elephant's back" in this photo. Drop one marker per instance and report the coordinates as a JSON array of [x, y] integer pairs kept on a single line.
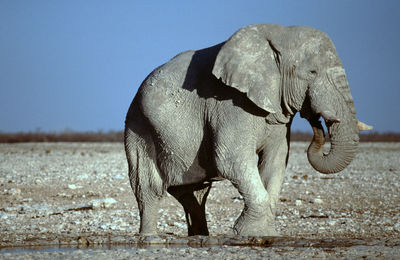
[[169, 75]]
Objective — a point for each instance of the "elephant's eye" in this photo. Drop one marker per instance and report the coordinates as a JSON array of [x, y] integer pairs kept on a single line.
[[314, 72]]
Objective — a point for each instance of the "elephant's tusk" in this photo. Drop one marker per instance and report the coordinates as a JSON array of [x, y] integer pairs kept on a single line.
[[363, 127]]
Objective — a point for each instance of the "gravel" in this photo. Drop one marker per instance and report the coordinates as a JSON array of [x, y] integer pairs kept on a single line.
[[74, 199]]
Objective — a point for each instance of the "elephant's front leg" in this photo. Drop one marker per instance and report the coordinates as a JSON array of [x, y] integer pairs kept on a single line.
[[272, 165], [242, 171]]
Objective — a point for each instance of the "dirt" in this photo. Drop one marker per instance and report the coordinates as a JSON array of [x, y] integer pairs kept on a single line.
[[74, 199]]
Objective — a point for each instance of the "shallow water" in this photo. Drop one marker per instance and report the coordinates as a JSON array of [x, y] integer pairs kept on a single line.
[[199, 247]]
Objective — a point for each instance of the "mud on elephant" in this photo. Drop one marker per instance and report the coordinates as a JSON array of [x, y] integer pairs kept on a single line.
[[225, 112]]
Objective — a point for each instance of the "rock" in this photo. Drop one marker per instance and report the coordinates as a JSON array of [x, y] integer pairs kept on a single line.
[[12, 192], [83, 176], [80, 207], [96, 204], [103, 226], [103, 203], [180, 225], [72, 186], [83, 242], [108, 202], [237, 199], [396, 227], [118, 177], [299, 203], [318, 201], [332, 222]]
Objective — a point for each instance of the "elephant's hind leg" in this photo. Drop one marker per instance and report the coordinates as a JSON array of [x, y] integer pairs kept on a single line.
[[145, 180], [193, 199], [148, 196]]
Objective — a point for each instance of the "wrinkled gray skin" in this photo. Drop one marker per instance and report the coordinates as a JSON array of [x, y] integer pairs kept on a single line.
[[225, 112]]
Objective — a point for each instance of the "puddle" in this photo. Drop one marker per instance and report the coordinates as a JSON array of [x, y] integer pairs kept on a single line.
[[200, 247], [36, 249], [66, 244]]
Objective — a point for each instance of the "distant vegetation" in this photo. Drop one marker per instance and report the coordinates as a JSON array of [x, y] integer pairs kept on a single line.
[[118, 136], [66, 136]]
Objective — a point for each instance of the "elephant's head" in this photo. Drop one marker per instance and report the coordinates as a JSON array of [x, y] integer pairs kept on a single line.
[[284, 70]]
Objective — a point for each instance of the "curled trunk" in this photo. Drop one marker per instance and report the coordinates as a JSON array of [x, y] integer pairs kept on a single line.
[[340, 155]]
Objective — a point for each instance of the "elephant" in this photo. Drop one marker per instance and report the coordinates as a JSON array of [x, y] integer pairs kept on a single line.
[[225, 112]]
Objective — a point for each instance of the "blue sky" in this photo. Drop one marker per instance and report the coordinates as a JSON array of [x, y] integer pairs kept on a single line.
[[78, 64]]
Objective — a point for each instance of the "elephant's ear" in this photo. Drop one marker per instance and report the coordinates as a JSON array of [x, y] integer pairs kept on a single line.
[[249, 61]]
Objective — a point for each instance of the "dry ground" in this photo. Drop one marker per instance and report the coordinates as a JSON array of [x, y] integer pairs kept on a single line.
[[78, 195]]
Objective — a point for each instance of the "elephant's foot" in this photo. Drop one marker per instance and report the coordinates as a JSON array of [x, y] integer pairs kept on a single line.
[[259, 227], [144, 232], [255, 225]]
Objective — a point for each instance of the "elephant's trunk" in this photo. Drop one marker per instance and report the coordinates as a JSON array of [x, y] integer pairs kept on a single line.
[[342, 151], [342, 126]]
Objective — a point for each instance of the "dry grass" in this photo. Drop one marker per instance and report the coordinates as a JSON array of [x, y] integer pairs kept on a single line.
[[117, 136]]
